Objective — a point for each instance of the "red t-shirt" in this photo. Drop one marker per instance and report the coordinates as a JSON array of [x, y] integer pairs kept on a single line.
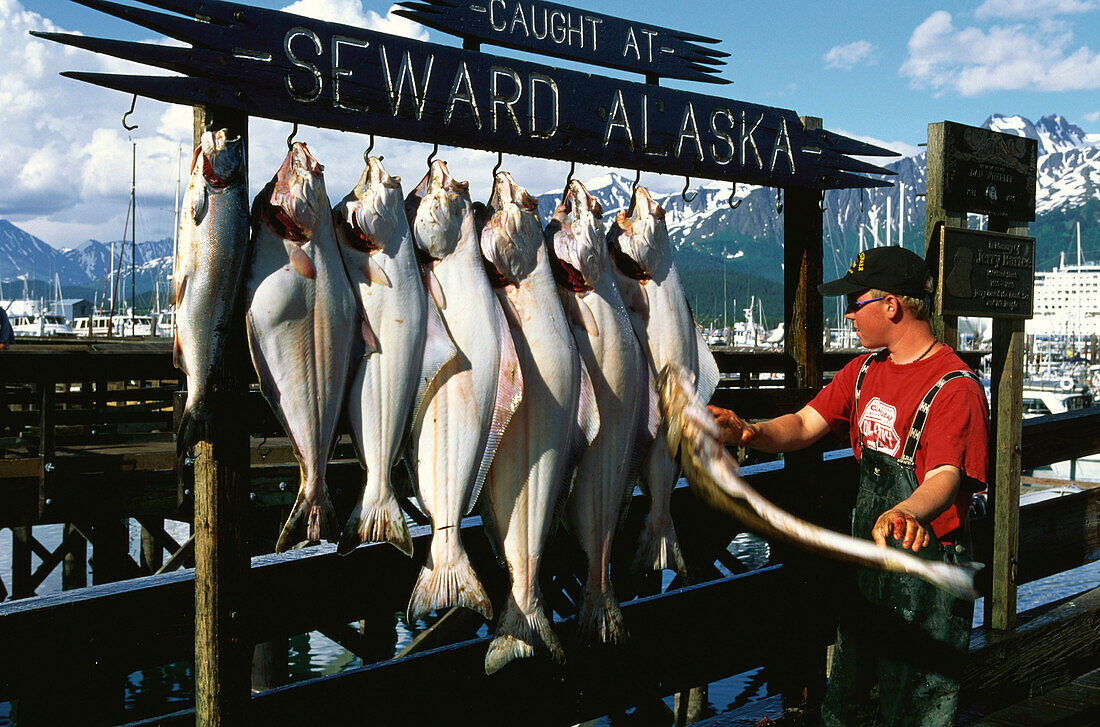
[[956, 432]]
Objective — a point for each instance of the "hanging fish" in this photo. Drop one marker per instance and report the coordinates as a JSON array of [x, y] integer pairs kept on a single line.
[[208, 272], [380, 256], [303, 317], [464, 409], [528, 476], [650, 286], [608, 347], [693, 436]]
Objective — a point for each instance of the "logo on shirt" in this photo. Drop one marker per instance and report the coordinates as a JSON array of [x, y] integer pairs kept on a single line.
[[876, 424]]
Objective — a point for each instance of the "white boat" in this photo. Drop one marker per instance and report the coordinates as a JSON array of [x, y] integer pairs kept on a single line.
[[36, 317]]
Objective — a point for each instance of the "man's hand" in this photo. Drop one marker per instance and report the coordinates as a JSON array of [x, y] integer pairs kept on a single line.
[[731, 428], [901, 525]]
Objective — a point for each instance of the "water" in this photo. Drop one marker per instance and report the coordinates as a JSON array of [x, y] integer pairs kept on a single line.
[[169, 688]]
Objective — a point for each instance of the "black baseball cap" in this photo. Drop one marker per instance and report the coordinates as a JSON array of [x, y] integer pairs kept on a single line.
[[890, 269]]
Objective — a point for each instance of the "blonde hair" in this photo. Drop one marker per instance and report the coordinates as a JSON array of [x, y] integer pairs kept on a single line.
[[916, 307]]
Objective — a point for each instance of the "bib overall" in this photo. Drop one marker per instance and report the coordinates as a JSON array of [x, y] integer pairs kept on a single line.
[[900, 641]]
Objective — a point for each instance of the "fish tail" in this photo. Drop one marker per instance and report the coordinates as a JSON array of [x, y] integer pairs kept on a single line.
[[310, 521], [958, 580], [444, 585], [658, 548], [376, 522], [517, 635], [600, 620], [196, 425]]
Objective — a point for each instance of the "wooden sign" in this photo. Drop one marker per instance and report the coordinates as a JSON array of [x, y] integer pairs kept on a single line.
[[563, 31], [989, 172], [283, 66], [986, 274]]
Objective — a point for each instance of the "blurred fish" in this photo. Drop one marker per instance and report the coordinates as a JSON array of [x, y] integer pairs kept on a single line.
[[302, 319], [463, 410], [208, 272], [380, 257], [528, 475], [611, 354], [713, 474], [651, 288]]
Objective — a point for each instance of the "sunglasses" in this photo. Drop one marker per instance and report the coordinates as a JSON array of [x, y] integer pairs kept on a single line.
[[855, 305]]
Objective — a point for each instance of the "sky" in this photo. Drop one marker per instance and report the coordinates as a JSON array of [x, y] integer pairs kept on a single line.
[[878, 71]]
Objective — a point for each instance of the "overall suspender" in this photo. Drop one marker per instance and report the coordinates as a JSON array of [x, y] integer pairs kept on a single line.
[[909, 451]]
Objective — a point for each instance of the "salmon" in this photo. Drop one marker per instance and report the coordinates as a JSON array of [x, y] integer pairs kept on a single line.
[[208, 272]]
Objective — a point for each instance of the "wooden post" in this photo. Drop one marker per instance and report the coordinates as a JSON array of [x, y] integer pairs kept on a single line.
[[1006, 388], [74, 568], [21, 562], [946, 328], [802, 674], [223, 657], [47, 440], [152, 554]]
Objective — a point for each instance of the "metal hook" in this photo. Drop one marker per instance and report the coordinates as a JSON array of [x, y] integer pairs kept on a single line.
[[290, 139], [572, 168], [366, 154], [684, 194], [733, 193], [260, 451], [431, 157], [124, 124], [821, 202], [779, 200], [500, 160], [637, 179]]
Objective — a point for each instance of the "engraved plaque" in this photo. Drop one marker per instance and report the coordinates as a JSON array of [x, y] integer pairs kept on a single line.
[[988, 172], [987, 274]]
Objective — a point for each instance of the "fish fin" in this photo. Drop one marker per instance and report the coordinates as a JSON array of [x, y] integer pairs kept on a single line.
[[372, 521], [198, 205], [708, 368], [181, 287], [509, 396], [309, 522], [435, 288], [580, 315], [600, 620], [375, 273], [635, 297], [366, 332], [196, 425], [588, 413], [518, 634], [177, 354], [587, 319], [439, 350], [300, 262], [445, 585], [509, 308]]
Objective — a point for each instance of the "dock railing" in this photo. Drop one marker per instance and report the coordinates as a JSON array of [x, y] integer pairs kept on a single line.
[[720, 621]]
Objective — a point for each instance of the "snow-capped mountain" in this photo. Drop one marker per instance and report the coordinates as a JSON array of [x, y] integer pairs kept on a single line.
[[151, 258], [1053, 132], [23, 254]]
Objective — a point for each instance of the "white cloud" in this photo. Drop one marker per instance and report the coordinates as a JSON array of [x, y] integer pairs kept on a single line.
[[847, 57], [1093, 116], [971, 60], [350, 12], [1033, 8]]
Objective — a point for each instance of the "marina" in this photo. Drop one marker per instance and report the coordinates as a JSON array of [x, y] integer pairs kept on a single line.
[[400, 457]]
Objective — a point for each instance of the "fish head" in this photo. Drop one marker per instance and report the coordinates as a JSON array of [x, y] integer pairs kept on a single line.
[[639, 233], [511, 237], [440, 207], [683, 410], [375, 209], [580, 241], [220, 159], [298, 192]]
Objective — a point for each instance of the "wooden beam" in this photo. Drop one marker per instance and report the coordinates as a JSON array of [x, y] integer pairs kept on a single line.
[[946, 328], [223, 657]]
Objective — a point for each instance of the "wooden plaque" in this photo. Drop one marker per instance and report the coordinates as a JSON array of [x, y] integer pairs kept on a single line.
[[988, 172]]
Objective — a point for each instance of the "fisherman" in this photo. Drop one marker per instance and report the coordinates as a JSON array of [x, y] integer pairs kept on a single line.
[[918, 423], [7, 335]]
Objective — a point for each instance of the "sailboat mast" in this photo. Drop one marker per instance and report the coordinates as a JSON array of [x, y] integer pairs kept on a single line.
[[133, 234]]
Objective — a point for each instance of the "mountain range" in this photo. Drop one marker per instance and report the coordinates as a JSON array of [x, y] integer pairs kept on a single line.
[[714, 244]]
